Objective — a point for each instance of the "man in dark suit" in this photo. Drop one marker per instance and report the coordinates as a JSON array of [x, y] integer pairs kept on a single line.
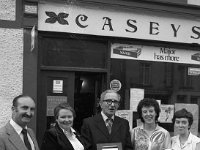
[[15, 135], [97, 130]]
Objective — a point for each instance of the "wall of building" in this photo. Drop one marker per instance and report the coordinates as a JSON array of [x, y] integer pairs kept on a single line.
[[11, 59]]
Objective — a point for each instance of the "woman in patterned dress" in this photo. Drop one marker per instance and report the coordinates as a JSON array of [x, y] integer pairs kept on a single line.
[[149, 136]]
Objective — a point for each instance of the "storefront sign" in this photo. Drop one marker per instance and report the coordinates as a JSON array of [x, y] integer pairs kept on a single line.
[[95, 21], [151, 53]]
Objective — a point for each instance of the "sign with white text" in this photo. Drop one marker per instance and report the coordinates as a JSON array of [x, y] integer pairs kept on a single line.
[[57, 17], [193, 71]]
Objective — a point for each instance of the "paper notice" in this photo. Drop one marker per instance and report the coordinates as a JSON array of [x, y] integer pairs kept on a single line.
[[135, 96]]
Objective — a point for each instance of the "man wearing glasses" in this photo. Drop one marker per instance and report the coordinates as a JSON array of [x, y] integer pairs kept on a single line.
[[106, 127]]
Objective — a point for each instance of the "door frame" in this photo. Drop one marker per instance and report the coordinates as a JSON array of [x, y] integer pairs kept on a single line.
[[42, 97]]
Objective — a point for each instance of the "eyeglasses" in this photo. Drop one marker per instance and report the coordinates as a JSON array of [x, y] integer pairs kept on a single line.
[[110, 101]]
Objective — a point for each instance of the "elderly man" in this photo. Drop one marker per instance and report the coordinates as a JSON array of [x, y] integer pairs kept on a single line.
[[106, 127], [15, 135]]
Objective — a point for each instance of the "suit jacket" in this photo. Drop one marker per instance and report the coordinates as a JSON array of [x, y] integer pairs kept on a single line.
[[94, 131], [55, 139], [10, 139]]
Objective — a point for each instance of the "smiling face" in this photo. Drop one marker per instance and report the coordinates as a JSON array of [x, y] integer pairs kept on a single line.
[[182, 125], [110, 104], [148, 114], [65, 119], [23, 111]]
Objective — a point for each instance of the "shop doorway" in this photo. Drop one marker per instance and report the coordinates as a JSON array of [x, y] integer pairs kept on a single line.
[[80, 89]]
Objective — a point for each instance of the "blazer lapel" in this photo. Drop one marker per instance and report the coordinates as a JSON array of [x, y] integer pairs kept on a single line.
[[101, 125], [15, 138], [115, 127], [64, 138]]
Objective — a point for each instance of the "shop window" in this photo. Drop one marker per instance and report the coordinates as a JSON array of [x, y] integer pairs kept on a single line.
[[145, 74], [185, 79], [181, 99], [73, 52], [168, 74]]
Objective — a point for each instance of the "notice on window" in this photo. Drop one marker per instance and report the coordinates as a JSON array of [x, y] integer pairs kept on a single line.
[[126, 114], [57, 86], [52, 102], [193, 71], [135, 96], [194, 109], [166, 114]]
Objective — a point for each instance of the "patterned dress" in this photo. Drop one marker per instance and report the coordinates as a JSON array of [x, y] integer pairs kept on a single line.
[[159, 140]]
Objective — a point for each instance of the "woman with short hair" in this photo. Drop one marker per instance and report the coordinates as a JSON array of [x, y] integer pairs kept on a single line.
[[185, 140], [62, 136]]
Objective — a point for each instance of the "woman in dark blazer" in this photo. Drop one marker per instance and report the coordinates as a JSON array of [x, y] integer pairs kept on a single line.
[[62, 136]]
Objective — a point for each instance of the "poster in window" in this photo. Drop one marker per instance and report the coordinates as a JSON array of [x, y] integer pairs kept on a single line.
[[52, 102], [135, 96], [166, 113], [126, 114]]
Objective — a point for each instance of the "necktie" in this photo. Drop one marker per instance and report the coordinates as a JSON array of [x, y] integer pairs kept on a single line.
[[109, 123], [26, 141]]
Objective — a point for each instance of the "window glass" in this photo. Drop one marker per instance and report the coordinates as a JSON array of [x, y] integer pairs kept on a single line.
[[73, 53], [168, 82]]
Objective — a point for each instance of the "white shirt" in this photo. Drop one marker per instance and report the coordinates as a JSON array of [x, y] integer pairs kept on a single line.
[[18, 129], [73, 140], [190, 144], [105, 117]]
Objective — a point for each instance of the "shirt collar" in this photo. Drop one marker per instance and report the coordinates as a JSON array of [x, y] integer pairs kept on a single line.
[[72, 130], [17, 127], [157, 127], [189, 140], [105, 117]]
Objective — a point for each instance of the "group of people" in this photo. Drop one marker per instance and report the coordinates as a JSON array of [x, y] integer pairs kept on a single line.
[[103, 128]]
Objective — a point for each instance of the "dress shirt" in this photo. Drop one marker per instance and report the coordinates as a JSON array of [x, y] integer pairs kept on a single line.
[[18, 129], [73, 140], [190, 144], [105, 117]]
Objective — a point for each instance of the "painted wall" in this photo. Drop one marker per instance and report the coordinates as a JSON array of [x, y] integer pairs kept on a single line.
[[11, 60], [7, 9]]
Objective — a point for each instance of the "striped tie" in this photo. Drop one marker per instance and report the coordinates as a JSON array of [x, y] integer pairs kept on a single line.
[[109, 123]]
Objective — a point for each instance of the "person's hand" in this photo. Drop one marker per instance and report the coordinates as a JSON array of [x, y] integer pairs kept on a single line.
[[155, 146]]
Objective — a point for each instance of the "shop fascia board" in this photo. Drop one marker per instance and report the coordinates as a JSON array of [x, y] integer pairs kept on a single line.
[[180, 10]]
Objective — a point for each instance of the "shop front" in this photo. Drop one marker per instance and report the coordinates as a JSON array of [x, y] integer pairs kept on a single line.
[[82, 48]]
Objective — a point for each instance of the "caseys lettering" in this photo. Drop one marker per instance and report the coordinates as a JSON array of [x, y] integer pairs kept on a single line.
[[81, 21]]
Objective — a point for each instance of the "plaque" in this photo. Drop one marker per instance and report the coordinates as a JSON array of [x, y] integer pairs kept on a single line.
[[109, 146]]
